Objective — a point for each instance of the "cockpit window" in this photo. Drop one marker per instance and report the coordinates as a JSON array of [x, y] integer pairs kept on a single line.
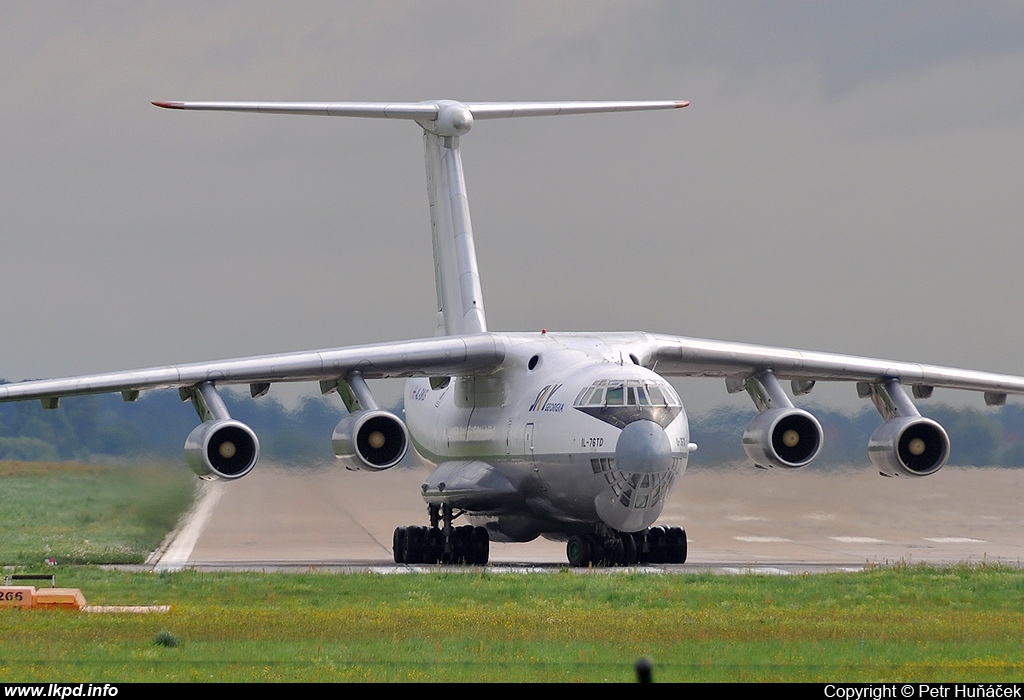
[[641, 396], [609, 392], [619, 402], [614, 396], [657, 398], [631, 395], [671, 397]]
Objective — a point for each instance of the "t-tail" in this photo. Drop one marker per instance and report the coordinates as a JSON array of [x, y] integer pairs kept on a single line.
[[460, 301]]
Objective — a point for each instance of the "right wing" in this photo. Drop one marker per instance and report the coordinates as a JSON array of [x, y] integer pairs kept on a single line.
[[782, 435], [678, 356]]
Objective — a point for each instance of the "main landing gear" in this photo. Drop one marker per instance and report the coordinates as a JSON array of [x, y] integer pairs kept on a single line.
[[441, 543], [655, 545]]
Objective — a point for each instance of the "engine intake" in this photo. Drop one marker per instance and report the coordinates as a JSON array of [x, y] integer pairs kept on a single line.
[[222, 449], [786, 438], [909, 446], [372, 440]]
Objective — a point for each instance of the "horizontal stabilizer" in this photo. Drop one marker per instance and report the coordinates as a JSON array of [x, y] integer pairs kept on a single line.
[[383, 110], [430, 110]]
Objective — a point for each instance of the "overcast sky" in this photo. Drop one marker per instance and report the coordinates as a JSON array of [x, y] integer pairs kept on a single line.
[[847, 178]]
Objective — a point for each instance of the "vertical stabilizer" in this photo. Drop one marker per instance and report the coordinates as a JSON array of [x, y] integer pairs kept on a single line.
[[459, 296]]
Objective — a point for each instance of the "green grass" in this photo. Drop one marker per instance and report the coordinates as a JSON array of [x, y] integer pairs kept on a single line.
[[903, 624], [85, 513]]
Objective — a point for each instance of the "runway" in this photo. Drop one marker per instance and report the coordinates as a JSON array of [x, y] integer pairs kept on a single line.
[[737, 520]]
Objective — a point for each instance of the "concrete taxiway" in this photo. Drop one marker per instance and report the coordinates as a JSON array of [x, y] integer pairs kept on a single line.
[[737, 520]]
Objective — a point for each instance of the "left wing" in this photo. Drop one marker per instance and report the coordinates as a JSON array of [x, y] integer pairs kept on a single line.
[[442, 356], [224, 448], [781, 435]]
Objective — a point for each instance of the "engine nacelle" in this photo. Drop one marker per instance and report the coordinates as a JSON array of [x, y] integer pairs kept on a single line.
[[909, 446], [372, 440], [222, 449], [785, 438]]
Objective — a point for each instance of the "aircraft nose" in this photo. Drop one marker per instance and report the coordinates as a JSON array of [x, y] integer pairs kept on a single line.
[[643, 446]]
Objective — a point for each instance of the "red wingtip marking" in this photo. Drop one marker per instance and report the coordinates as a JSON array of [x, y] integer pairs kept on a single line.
[[170, 105], [682, 104]]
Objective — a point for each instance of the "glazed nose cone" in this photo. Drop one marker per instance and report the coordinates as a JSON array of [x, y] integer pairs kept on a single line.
[[643, 446]]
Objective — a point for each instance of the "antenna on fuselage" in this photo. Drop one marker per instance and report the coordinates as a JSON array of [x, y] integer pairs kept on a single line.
[[457, 279]]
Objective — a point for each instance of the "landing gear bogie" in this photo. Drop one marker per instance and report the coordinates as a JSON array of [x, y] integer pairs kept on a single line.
[[655, 545], [441, 543]]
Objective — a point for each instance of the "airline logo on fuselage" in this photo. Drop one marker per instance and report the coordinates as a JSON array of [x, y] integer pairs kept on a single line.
[[543, 401]]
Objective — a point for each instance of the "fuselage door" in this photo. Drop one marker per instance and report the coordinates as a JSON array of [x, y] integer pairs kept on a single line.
[[530, 457]]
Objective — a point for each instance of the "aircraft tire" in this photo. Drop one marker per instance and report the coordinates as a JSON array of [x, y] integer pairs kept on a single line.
[[463, 544], [615, 551], [398, 545], [481, 547], [676, 546], [657, 545], [629, 548], [459, 547], [578, 551], [433, 546], [643, 555], [597, 550], [452, 548], [468, 544], [415, 541]]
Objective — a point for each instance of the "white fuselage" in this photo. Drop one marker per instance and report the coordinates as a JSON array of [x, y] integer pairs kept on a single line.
[[551, 421]]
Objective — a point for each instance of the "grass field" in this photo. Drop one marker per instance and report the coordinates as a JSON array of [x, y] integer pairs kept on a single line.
[[903, 624], [910, 624], [88, 513]]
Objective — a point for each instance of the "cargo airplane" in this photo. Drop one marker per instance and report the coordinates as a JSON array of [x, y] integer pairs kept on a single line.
[[575, 437]]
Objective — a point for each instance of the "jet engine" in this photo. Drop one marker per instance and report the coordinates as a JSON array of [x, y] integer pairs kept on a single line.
[[909, 446], [222, 449], [373, 440], [783, 438]]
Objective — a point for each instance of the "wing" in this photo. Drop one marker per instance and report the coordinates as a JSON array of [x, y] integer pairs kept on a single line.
[[442, 356], [224, 448], [781, 435], [677, 356]]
